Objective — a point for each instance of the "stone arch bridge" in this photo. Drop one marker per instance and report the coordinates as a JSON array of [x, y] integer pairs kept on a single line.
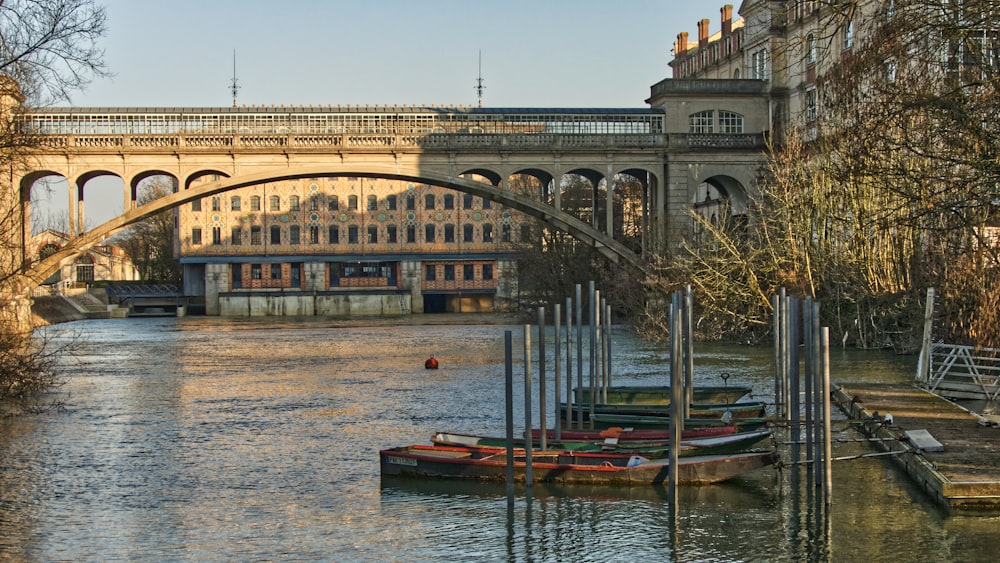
[[242, 146]]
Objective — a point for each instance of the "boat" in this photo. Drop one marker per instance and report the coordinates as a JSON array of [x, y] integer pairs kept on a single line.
[[628, 434], [728, 443], [660, 394], [662, 422], [452, 462], [747, 409]]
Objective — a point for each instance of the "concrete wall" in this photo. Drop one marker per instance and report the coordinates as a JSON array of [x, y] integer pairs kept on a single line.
[[313, 304]]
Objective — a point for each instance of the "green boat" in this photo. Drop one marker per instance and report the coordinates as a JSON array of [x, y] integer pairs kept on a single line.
[[708, 445], [660, 395], [735, 411], [646, 422]]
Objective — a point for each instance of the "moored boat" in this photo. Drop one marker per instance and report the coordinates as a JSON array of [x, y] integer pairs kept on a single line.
[[729, 443], [449, 462], [662, 423], [747, 409], [660, 394]]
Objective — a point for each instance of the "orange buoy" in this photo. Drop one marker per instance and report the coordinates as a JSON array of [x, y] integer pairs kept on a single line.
[[431, 363]]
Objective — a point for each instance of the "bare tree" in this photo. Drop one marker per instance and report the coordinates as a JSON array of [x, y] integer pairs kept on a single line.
[[150, 243]]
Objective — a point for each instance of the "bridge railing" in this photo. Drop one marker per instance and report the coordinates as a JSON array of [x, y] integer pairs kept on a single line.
[[448, 141]]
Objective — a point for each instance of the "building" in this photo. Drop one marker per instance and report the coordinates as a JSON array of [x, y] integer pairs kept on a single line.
[[348, 246], [99, 264]]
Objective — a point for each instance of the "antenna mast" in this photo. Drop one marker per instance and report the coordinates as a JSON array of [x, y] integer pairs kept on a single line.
[[234, 86], [479, 81]]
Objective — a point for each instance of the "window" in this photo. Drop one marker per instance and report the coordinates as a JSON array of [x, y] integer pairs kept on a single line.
[[467, 201], [430, 273], [758, 65], [196, 205], [525, 233], [196, 235], [449, 272], [255, 203], [216, 203], [487, 271], [216, 235], [449, 201], [848, 34], [730, 122], [332, 203], [313, 203], [468, 272], [256, 272], [313, 234], [811, 104], [275, 271], [236, 237], [275, 203], [467, 232], [333, 235], [293, 203], [390, 202], [372, 233], [811, 49], [411, 202], [487, 204], [411, 234], [429, 201], [390, 233], [487, 233], [372, 203], [234, 203], [296, 275], [505, 233], [237, 271], [255, 236], [429, 233], [449, 233], [352, 202], [275, 234], [352, 234], [294, 234], [701, 122], [85, 269]]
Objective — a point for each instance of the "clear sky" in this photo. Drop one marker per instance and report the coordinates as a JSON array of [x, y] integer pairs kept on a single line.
[[535, 53]]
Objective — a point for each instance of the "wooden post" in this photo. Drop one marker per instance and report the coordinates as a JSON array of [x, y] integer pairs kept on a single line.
[[688, 341], [579, 357], [593, 351], [557, 381], [924, 362], [827, 457], [569, 363], [676, 396], [542, 403], [509, 403], [527, 406]]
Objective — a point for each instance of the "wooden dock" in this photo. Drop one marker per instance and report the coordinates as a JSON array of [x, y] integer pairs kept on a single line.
[[964, 475]]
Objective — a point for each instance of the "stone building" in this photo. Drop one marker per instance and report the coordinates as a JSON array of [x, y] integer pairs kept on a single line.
[[348, 246], [99, 264]]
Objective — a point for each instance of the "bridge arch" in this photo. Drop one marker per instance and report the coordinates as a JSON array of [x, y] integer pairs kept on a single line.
[[604, 243]]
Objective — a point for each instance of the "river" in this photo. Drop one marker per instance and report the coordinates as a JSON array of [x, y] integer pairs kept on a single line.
[[210, 439]]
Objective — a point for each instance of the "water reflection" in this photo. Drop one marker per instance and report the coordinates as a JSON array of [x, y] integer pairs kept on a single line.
[[257, 439]]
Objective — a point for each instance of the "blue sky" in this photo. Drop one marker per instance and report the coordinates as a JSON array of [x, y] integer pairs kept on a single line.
[[541, 53]]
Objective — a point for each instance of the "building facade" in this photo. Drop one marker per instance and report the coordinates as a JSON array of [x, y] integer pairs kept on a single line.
[[348, 246], [99, 264]]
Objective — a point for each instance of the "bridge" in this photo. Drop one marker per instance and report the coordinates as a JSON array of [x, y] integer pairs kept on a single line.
[[447, 147]]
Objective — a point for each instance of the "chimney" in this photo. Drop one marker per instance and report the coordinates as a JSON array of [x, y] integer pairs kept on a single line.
[[682, 43], [727, 19], [703, 33]]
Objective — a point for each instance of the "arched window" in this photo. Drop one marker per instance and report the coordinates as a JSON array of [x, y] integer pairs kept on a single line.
[[275, 203], [293, 203], [702, 122], [730, 122], [429, 201], [255, 203], [352, 202], [372, 203], [47, 250], [85, 269], [235, 203]]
